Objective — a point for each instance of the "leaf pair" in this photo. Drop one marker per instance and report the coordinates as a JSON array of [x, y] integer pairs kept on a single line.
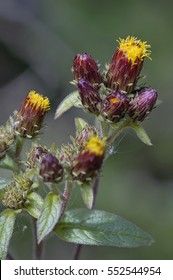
[[90, 227]]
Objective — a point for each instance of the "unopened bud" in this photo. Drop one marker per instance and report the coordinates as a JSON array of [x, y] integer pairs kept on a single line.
[[84, 66], [89, 95], [142, 104], [51, 170]]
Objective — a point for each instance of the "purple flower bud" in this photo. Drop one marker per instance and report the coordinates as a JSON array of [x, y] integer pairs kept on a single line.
[[89, 96], [114, 106], [84, 66], [51, 170], [142, 104]]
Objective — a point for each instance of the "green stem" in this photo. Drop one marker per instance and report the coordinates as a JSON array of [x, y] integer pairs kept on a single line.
[[117, 132], [66, 195], [19, 146], [38, 246]]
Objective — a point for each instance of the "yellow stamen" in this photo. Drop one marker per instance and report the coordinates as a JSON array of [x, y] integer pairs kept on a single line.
[[134, 48], [114, 100], [38, 101], [96, 146]]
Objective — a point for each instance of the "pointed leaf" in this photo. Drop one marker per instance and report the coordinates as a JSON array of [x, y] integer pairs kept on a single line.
[[50, 214], [80, 124], [87, 195], [93, 227], [34, 204], [8, 163], [7, 219], [69, 101], [141, 133]]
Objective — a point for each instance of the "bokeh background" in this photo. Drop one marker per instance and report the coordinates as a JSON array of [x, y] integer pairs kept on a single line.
[[38, 40]]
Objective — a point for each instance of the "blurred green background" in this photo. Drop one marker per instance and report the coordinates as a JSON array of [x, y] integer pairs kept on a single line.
[[38, 40]]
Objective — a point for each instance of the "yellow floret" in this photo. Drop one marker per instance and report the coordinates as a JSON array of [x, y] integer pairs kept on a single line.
[[38, 101], [96, 146], [134, 48], [114, 100]]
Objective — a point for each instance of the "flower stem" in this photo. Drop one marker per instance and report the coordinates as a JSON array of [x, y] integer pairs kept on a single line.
[[19, 146], [66, 196], [38, 246], [79, 247], [117, 132]]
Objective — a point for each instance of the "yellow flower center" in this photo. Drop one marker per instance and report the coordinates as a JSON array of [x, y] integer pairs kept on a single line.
[[114, 100], [37, 101], [96, 146], [134, 49]]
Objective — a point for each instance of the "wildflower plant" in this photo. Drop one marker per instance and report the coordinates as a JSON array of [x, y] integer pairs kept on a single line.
[[117, 99]]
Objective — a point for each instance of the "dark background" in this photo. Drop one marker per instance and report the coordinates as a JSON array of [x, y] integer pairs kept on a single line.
[[38, 40]]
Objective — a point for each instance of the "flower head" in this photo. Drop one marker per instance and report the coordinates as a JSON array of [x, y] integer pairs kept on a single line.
[[89, 95], [89, 161], [84, 66], [84, 136], [30, 117], [142, 104], [15, 194], [127, 63], [114, 106]]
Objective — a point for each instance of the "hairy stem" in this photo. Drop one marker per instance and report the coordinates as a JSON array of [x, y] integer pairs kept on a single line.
[[38, 247], [66, 196], [19, 146], [79, 247]]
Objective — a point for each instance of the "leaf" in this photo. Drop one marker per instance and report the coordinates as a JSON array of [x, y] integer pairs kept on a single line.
[[69, 101], [141, 133], [34, 204], [3, 183], [8, 163], [93, 227], [87, 195], [7, 220], [50, 214], [80, 124]]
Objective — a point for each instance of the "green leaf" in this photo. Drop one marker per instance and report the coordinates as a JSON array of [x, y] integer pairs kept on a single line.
[[141, 133], [3, 183], [80, 124], [50, 214], [87, 195], [93, 227], [7, 219], [34, 204], [8, 163], [69, 101]]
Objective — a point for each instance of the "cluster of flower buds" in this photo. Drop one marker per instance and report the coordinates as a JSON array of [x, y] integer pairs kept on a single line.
[[119, 97], [15, 194]]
